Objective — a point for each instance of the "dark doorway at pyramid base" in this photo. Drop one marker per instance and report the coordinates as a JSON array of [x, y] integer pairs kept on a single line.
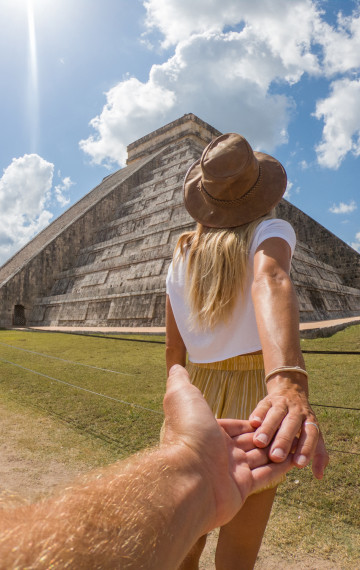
[[19, 319]]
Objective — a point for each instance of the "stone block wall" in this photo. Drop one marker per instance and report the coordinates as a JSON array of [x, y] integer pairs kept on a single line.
[[34, 270], [326, 246], [320, 288], [119, 280]]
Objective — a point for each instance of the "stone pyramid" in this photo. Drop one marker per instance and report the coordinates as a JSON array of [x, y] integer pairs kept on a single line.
[[104, 261]]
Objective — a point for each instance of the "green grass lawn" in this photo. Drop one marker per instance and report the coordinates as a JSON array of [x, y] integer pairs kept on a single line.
[[137, 377], [308, 516]]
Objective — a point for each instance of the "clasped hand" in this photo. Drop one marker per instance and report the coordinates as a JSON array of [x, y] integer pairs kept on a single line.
[[221, 451], [284, 419]]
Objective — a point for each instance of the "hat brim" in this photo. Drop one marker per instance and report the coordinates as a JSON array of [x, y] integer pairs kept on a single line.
[[264, 196]]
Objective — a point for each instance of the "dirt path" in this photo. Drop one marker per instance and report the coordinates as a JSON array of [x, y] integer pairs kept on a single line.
[[27, 470], [268, 561]]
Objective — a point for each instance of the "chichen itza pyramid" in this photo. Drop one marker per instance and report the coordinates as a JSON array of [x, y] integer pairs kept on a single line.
[[104, 261]]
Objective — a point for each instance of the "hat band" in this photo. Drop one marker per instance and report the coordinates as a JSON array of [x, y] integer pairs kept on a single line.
[[235, 200]]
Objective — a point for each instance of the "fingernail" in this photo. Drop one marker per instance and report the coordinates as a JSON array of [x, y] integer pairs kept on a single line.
[[278, 453], [301, 460], [256, 419], [262, 437]]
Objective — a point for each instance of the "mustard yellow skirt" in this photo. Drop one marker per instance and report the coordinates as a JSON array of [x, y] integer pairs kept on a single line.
[[231, 387]]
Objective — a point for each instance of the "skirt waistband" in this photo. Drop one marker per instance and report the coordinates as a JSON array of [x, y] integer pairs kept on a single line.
[[241, 362]]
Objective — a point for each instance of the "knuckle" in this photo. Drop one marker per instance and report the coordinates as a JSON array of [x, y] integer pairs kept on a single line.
[[284, 440], [280, 407], [293, 422], [265, 403], [307, 450]]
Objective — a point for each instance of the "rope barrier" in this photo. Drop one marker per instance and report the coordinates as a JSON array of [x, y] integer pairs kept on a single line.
[[335, 407], [107, 337], [132, 404], [122, 401], [125, 374], [78, 333], [330, 352], [340, 451], [80, 388], [334, 352]]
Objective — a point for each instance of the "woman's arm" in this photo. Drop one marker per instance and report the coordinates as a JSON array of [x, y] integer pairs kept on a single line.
[[175, 347], [286, 408]]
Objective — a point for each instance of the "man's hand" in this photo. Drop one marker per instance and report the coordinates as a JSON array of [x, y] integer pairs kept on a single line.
[[131, 514], [222, 451]]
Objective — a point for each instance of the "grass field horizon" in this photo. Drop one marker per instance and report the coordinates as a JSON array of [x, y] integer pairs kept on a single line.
[[100, 399]]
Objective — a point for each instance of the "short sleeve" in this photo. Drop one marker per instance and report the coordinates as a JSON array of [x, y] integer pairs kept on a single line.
[[274, 228]]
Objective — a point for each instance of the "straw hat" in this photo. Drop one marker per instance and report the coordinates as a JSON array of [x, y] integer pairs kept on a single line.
[[231, 184]]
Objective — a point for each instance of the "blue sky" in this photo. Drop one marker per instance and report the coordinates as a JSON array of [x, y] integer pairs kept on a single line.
[[81, 79]]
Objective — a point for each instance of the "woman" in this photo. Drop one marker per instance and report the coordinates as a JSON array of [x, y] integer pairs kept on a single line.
[[231, 306]]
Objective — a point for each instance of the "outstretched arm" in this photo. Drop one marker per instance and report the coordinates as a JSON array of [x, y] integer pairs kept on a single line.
[[286, 408], [175, 347], [146, 512]]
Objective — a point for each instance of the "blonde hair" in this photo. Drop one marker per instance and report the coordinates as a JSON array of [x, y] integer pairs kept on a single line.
[[216, 269]]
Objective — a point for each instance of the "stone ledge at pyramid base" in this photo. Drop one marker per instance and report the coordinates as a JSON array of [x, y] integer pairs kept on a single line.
[[314, 329], [103, 263]]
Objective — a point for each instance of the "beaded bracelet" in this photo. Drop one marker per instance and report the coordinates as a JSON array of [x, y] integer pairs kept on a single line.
[[286, 369]]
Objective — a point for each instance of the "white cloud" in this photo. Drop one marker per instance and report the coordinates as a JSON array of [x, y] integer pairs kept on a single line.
[[289, 186], [341, 44], [279, 23], [24, 192], [224, 77], [227, 58], [298, 25], [61, 191], [131, 110], [341, 115], [177, 20], [291, 190], [267, 31], [356, 244], [343, 208]]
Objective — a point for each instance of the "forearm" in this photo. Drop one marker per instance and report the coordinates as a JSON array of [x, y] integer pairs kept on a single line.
[[175, 355], [175, 347], [285, 413], [128, 516], [277, 317]]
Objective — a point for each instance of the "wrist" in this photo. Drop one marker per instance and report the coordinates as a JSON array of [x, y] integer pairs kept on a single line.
[[288, 381], [190, 485]]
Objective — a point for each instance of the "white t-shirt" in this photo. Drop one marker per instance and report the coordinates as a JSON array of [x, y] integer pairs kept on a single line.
[[239, 335]]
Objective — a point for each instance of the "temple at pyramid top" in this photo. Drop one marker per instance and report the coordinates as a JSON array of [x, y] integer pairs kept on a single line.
[[188, 126]]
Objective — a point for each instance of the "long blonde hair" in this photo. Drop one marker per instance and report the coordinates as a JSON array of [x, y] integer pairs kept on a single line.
[[216, 269]]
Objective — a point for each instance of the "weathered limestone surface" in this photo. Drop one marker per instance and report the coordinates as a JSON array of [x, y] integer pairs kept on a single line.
[[34, 269], [104, 262], [326, 246]]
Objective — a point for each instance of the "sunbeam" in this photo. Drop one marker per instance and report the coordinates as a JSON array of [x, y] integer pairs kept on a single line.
[[33, 87]]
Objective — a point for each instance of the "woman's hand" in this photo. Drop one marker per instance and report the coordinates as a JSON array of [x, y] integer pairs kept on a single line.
[[285, 417]]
